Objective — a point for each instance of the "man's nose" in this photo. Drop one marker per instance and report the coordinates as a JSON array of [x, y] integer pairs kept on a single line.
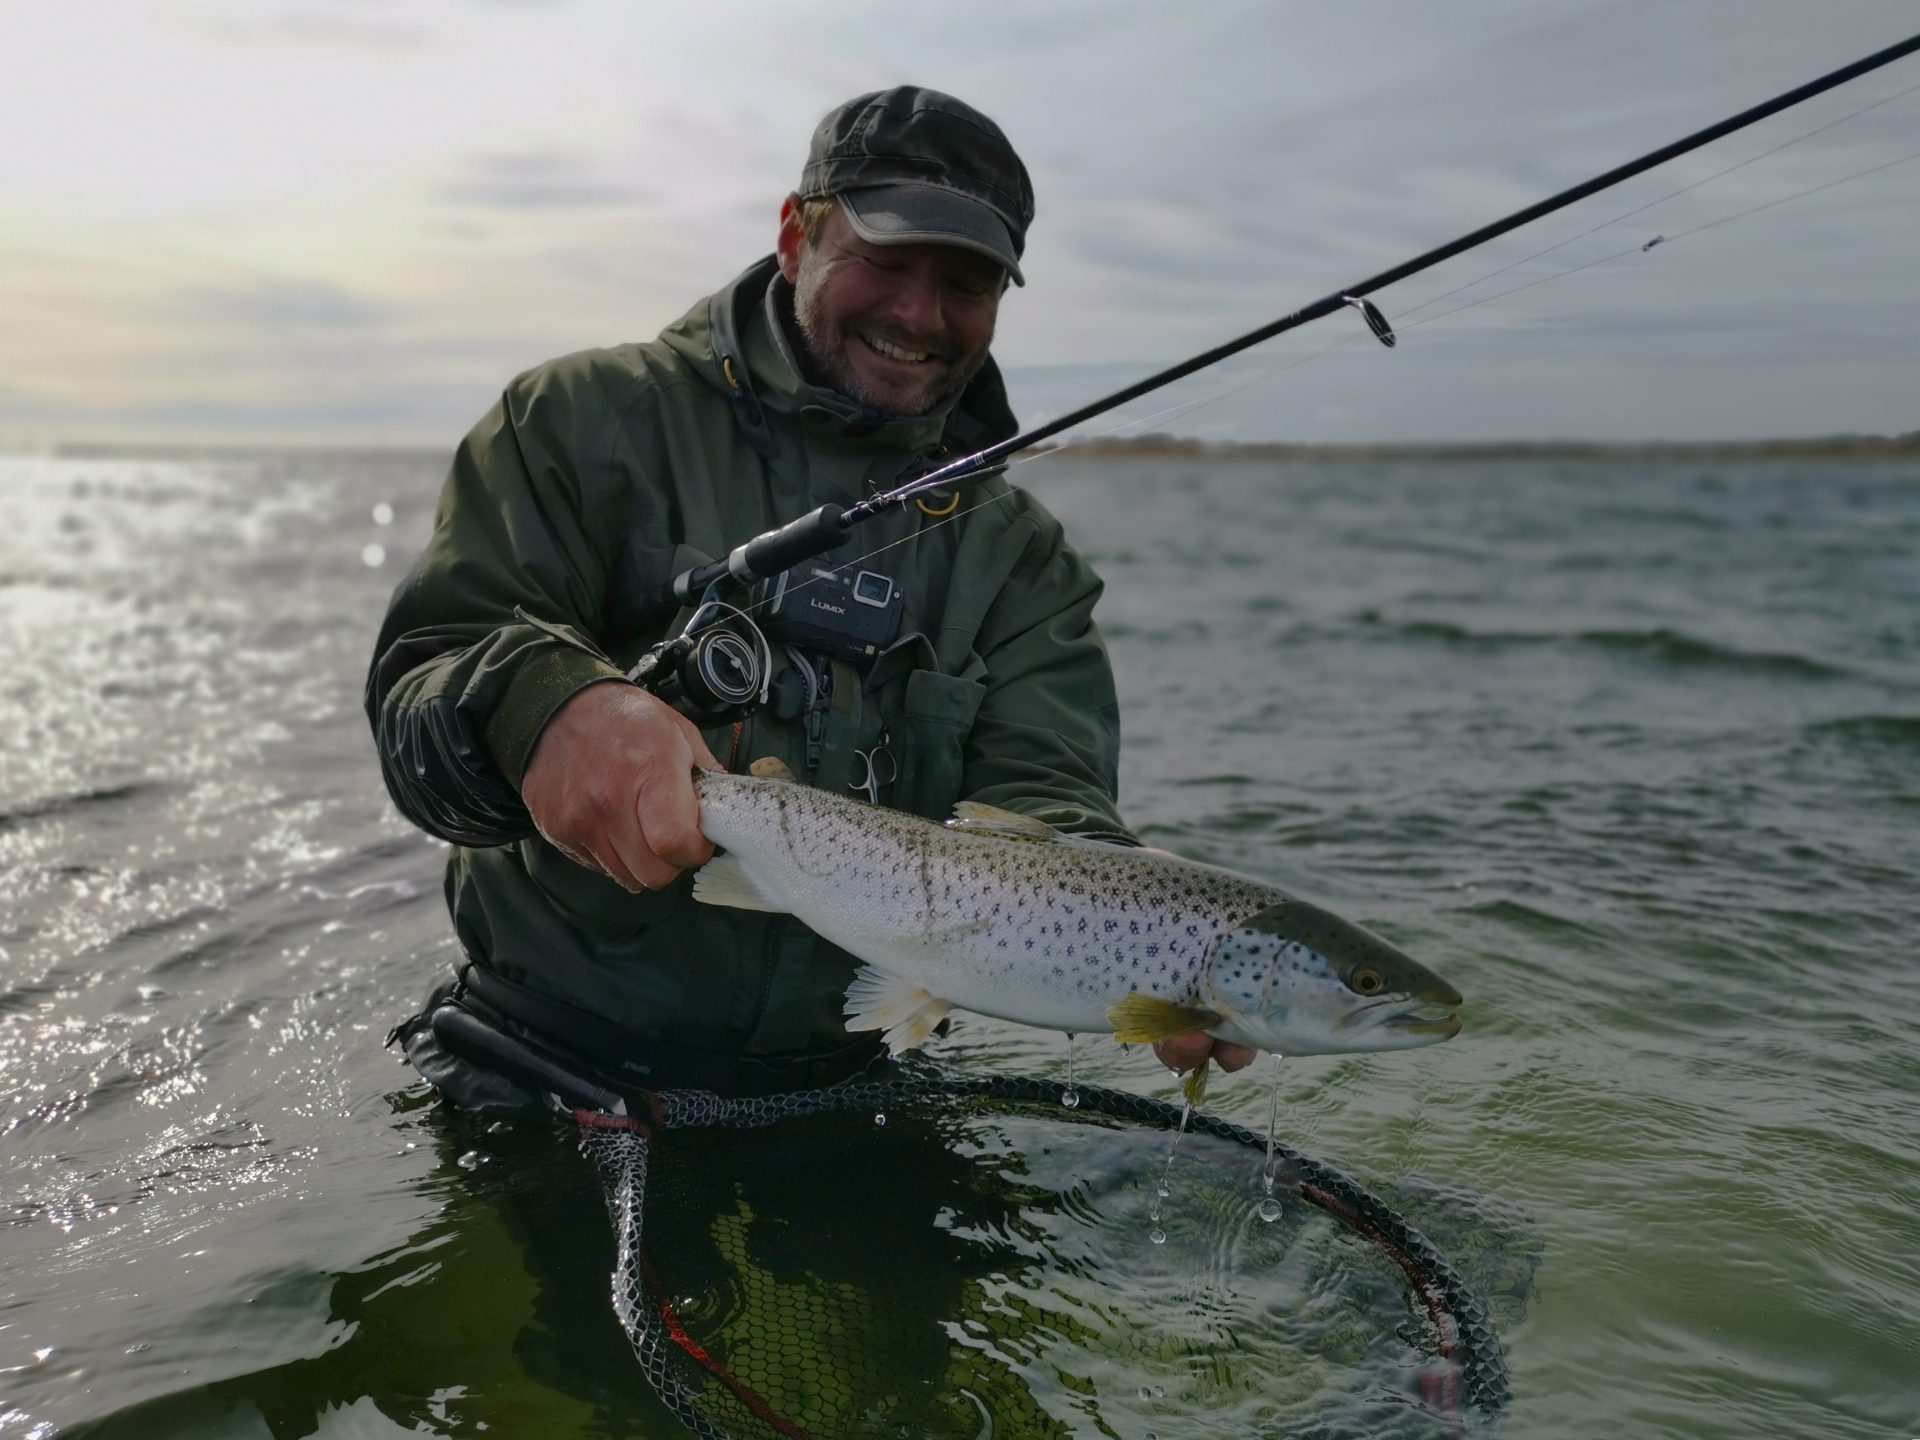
[[917, 302]]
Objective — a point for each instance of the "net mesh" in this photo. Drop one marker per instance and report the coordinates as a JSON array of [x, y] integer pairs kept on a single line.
[[766, 1294]]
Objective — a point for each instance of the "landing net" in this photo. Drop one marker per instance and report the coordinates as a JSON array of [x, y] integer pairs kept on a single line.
[[1002, 1299]]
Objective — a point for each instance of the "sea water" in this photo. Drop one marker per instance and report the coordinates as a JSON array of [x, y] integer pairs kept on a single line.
[[1627, 750]]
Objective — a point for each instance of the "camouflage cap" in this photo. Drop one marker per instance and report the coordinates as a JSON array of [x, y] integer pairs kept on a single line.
[[914, 165]]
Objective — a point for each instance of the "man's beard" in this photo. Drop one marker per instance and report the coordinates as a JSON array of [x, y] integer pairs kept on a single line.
[[826, 345]]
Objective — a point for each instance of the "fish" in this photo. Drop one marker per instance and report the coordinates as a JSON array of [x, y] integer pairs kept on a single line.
[[1001, 914]]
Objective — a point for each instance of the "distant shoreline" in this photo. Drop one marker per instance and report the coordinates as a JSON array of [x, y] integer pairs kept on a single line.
[[1153, 446], [1178, 447]]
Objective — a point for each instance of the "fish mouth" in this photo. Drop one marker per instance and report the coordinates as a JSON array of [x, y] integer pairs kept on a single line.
[[1434, 1018], [1425, 1019]]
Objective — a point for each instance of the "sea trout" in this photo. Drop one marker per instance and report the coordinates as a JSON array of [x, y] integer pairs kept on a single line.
[[1001, 914]]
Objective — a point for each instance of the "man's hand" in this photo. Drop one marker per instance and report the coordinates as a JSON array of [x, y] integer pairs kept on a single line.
[[1196, 1047], [610, 785]]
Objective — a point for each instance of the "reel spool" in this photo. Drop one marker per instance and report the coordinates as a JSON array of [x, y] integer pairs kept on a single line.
[[717, 668]]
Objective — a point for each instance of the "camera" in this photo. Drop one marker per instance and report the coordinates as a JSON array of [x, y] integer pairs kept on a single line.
[[852, 615]]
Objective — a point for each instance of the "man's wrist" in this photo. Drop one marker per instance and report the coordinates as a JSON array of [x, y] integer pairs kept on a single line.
[[543, 684]]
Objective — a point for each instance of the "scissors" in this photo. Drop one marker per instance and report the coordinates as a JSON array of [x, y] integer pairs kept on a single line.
[[880, 767]]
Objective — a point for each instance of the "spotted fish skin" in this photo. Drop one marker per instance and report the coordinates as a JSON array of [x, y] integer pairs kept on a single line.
[[1001, 915]]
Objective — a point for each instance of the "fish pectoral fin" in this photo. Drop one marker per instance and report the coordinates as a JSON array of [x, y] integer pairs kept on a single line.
[[977, 819], [1146, 1020], [879, 1000], [724, 880], [772, 767]]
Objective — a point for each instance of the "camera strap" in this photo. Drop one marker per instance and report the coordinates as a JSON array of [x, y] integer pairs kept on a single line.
[[818, 672]]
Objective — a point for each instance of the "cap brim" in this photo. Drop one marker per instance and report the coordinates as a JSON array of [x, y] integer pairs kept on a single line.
[[929, 215]]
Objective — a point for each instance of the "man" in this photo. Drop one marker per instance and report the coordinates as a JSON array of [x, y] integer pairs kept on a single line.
[[851, 359]]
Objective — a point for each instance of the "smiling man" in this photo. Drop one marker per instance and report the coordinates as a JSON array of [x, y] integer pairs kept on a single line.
[[852, 358]]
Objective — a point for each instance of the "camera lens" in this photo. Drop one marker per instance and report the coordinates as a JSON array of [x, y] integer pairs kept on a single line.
[[872, 589]]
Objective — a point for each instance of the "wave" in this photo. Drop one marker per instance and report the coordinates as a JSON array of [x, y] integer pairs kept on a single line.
[[1874, 729], [78, 800], [1660, 643], [1679, 648]]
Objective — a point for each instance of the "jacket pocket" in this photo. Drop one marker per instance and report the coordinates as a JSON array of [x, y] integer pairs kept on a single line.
[[936, 713]]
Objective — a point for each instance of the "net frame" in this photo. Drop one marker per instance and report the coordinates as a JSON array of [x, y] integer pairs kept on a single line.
[[1471, 1385]]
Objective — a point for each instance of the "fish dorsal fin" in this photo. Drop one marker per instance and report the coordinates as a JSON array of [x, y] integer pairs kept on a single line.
[[977, 819], [771, 767]]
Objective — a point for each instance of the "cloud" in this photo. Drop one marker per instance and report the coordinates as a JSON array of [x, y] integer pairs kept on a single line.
[[271, 307], [541, 180], [273, 211], [302, 26]]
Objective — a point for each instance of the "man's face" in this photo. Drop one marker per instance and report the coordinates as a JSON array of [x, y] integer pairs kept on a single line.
[[899, 328]]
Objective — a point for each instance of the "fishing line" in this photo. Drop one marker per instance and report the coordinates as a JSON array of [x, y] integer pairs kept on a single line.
[[1663, 239], [1670, 195], [1273, 372]]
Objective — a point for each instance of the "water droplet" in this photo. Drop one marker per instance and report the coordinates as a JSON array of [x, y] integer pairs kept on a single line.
[[373, 556], [1163, 1190], [383, 514], [880, 1120], [1159, 1392], [1145, 1393], [1273, 1118], [136, 1348], [1268, 1209], [1157, 1235], [1070, 1099], [472, 1160]]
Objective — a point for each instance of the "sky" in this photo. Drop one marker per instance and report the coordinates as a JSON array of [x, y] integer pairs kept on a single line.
[[351, 223]]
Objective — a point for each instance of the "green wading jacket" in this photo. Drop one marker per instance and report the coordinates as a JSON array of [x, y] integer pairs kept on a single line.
[[568, 510]]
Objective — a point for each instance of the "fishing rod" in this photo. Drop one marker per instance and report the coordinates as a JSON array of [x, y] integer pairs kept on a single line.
[[712, 670]]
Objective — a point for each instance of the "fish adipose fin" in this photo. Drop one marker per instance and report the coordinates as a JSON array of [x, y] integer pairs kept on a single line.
[[978, 819], [723, 880], [877, 1000], [1144, 1020]]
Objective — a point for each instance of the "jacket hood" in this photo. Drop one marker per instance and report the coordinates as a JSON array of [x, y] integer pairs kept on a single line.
[[731, 342]]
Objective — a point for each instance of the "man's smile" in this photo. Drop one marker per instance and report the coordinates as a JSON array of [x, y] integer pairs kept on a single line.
[[896, 352]]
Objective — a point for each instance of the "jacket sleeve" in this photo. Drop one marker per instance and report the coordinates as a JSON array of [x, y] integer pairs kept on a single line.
[[1046, 739], [485, 638]]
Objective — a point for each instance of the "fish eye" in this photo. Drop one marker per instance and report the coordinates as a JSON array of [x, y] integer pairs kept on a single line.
[[1368, 981]]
